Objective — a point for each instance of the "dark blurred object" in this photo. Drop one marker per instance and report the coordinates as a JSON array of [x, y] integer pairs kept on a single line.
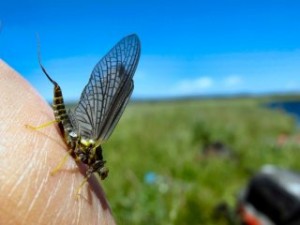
[[291, 107], [217, 148], [272, 197], [223, 212]]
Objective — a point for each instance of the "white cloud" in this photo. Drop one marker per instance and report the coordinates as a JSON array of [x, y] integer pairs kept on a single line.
[[232, 81], [194, 86], [292, 86]]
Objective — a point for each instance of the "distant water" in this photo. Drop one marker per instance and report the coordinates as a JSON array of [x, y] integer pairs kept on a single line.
[[292, 107]]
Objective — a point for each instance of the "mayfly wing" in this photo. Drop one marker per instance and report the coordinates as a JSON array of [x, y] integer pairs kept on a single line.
[[107, 93]]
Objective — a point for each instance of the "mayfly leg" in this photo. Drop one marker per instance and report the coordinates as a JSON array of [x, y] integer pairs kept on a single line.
[[78, 189], [61, 163], [41, 126], [83, 182]]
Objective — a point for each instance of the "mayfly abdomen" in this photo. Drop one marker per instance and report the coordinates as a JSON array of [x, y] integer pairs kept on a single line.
[[59, 108], [60, 112]]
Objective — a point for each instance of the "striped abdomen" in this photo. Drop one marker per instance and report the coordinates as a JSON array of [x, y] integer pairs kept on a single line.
[[60, 112], [59, 109]]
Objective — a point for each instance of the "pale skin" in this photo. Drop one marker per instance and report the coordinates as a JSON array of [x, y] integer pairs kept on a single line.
[[28, 193]]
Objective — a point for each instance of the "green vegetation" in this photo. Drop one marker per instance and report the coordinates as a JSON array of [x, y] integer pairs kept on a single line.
[[159, 174]]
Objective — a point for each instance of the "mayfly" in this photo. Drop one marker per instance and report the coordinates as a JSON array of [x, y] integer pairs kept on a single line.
[[100, 107]]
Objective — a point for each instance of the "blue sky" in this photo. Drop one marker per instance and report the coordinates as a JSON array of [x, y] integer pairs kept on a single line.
[[188, 47]]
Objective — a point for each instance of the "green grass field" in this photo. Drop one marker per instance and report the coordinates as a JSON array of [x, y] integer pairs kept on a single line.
[[158, 173]]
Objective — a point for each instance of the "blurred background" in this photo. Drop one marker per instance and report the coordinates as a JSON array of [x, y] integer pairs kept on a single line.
[[204, 116], [188, 47]]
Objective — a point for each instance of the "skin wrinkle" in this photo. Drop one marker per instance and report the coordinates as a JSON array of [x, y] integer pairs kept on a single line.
[[27, 161], [61, 215], [76, 219], [35, 198], [30, 164], [20, 179], [71, 194], [59, 211], [78, 213], [24, 194], [12, 177], [35, 163], [40, 165], [49, 200], [71, 204], [29, 195], [21, 202], [58, 217], [42, 183]]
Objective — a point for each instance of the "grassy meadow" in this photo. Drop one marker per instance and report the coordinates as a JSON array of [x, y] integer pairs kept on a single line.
[[159, 174]]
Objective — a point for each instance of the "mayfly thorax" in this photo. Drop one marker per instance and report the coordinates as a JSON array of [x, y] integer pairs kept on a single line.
[[101, 105]]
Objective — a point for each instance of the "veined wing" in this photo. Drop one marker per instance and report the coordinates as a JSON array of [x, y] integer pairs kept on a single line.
[[107, 93]]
